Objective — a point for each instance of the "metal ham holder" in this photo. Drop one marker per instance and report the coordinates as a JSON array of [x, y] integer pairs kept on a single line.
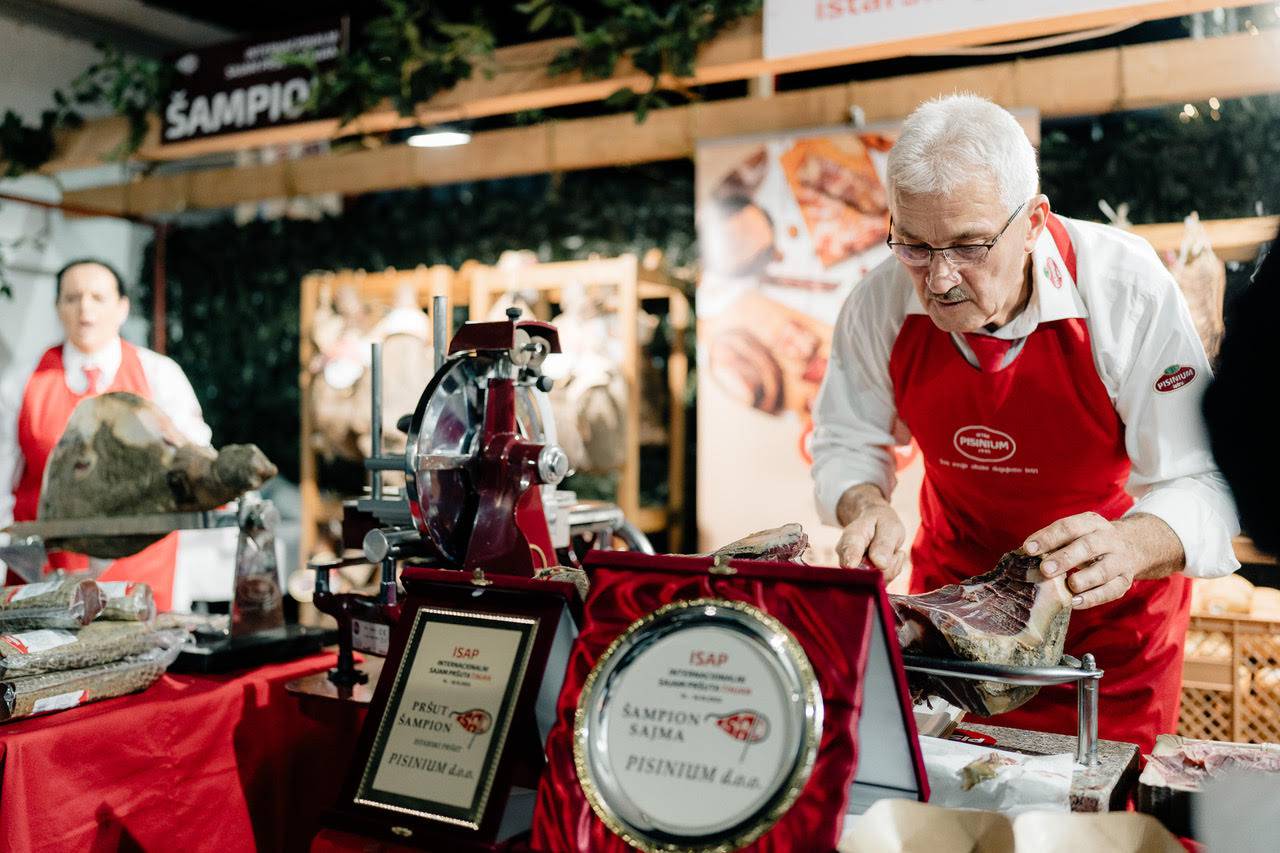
[[1083, 673], [476, 495]]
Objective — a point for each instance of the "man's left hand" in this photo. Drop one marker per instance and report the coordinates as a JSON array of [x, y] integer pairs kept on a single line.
[[1105, 557]]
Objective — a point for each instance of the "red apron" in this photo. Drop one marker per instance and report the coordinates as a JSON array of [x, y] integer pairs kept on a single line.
[[1009, 451], [47, 404]]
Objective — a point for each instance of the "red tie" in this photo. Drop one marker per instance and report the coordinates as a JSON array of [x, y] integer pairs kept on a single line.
[[990, 351], [92, 374]]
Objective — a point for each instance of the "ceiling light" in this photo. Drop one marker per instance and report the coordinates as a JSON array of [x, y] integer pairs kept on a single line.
[[439, 138]]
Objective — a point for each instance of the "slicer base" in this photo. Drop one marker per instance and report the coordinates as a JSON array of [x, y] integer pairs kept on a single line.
[[277, 644]]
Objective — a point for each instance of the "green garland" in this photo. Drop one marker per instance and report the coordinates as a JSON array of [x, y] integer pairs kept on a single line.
[[129, 86], [407, 55], [660, 39], [1166, 164]]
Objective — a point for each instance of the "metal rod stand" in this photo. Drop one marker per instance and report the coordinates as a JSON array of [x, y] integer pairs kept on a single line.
[[1083, 673]]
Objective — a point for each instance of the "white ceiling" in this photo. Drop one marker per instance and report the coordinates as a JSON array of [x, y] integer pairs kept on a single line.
[[129, 24]]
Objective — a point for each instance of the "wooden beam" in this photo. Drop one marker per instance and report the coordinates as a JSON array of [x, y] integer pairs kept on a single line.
[[517, 79], [1074, 84], [1231, 239], [1247, 552]]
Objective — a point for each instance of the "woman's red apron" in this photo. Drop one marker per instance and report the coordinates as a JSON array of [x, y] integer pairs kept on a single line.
[[1009, 451], [47, 404]]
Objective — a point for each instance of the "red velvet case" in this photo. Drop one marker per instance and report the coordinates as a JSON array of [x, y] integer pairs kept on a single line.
[[833, 614]]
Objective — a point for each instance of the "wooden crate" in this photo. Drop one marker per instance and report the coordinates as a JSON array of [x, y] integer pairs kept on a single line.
[[1231, 679]]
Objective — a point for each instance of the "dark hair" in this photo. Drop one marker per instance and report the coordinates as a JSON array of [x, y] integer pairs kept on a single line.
[[1243, 439], [57, 293]]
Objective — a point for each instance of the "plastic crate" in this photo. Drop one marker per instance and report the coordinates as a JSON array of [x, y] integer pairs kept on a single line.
[[1231, 680]]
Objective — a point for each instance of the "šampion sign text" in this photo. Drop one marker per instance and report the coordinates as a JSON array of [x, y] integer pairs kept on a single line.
[[248, 84]]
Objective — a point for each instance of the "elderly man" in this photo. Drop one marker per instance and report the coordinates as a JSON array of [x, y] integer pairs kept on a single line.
[[35, 409], [1051, 375]]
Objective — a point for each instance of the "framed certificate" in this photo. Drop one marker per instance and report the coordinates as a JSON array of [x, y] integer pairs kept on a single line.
[[448, 714], [451, 751]]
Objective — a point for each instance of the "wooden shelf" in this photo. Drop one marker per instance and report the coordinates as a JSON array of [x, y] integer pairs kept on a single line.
[[520, 81], [1232, 239], [652, 519], [427, 282], [1247, 552], [1090, 82], [478, 286]]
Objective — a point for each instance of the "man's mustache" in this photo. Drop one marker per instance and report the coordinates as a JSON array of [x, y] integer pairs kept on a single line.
[[955, 294]]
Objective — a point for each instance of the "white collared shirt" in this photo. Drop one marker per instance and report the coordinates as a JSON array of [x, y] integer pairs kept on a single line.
[[107, 361], [170, 390], [1139, 325]]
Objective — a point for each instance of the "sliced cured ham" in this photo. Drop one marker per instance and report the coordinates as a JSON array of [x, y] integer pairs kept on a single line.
[[782, 544], [1012, 615]]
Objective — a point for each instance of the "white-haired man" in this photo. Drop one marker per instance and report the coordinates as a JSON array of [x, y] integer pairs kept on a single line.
[[1050, 373]]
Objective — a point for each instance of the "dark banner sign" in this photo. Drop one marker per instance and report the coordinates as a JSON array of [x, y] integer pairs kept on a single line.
[[248, 84]]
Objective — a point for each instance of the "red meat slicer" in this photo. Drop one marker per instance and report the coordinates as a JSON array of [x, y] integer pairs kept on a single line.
[[477, 642], [481, 468]]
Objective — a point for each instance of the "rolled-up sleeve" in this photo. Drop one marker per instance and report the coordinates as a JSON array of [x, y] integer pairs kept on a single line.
[[855, 413], [1162, 375]]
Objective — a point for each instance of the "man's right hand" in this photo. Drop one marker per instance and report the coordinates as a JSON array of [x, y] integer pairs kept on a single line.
[[872, 531]]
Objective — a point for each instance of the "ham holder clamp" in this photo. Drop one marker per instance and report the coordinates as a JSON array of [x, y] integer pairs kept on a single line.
[[1083, 673], [476, 633]]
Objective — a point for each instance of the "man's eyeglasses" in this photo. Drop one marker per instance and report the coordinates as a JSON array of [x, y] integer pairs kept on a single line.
[[919, 255]]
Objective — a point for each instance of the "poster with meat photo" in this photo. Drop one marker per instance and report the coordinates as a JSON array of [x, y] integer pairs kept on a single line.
[[840, 195], [787, 225]]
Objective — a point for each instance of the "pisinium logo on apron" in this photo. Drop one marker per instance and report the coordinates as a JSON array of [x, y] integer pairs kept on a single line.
[[984, 444]]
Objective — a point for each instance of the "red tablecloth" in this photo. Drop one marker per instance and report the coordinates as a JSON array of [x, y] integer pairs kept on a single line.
[[218, 763]]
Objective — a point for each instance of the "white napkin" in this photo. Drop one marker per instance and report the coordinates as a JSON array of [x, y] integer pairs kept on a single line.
[[1025, 783]]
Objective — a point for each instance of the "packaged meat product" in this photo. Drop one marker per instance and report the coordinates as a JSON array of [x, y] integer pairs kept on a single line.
[[33, 652], [58, 603], [127, 601], [56, 691]]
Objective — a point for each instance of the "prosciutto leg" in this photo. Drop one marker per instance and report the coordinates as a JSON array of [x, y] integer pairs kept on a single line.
[[1011, 615]]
